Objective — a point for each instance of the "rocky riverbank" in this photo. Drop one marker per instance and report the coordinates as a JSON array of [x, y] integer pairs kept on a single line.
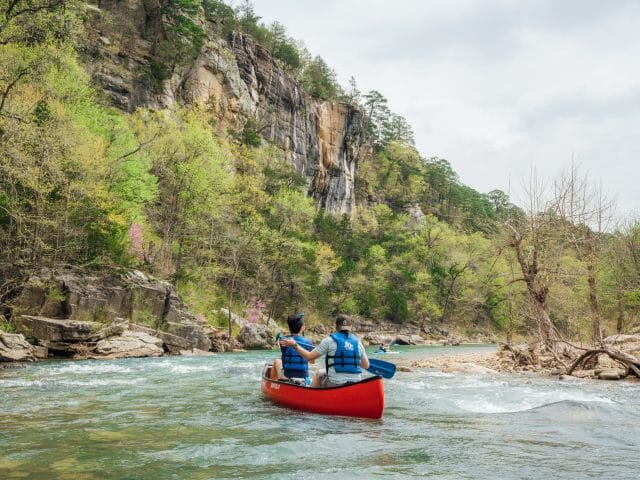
[[77, 314], [74, 313], [533, 359]]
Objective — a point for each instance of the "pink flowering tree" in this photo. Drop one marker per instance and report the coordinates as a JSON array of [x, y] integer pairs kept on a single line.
[[135, 237], [254, 312]]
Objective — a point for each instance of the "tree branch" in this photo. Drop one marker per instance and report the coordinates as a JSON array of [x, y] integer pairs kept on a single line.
[[5, 94]]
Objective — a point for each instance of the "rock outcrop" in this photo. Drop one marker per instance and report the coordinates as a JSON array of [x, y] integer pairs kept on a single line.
[[254, 335], [129, 344], [75, 313], [57, 334], [15, 348], [239, 81]]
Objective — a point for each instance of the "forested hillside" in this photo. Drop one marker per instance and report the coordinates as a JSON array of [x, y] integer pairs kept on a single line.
[[190, 193]]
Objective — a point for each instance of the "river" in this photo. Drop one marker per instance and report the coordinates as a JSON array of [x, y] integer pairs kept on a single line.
[[204, 418]]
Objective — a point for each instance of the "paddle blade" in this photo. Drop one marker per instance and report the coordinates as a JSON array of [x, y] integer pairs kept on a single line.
[[382, 368]]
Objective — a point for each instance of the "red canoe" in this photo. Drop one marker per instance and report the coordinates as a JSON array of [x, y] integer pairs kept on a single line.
[[362, 399]]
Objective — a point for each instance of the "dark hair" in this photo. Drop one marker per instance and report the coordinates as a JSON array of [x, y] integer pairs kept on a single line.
[[295, 322]]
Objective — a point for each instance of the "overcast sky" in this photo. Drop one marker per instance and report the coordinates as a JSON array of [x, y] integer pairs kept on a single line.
[[494, 86]]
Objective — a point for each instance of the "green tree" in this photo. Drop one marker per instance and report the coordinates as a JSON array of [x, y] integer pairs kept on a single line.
[[56, 166], [182, 38], [377, 113], [221, 15], [319, 80], [396, 129], [353, 96], [32, 22], [621, 276], [193, 177]]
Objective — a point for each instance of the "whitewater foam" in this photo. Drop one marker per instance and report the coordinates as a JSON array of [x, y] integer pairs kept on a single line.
[[92, 368], [525, 399]]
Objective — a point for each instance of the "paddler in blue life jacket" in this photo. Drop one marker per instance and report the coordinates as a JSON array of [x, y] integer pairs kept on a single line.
[[292, 366], [345, 357]]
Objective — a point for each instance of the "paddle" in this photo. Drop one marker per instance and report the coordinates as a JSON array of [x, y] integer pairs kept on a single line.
[[382, 368]]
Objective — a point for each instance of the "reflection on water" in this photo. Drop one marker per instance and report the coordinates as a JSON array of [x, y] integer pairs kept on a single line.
[[203, 418]]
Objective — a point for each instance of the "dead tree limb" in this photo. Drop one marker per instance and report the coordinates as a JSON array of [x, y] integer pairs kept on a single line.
[[628, 360]]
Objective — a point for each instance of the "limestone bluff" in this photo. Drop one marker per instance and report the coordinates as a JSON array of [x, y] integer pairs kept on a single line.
[[239, 80]]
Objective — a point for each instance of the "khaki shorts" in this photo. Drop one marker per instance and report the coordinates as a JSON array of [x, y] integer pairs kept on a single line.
[[324, 382]]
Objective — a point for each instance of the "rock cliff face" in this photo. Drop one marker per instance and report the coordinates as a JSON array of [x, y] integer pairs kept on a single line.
[[240, 81]]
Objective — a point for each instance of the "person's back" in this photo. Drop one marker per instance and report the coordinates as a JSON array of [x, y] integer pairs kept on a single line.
[[344, 353], [291, 365], [294, 366]]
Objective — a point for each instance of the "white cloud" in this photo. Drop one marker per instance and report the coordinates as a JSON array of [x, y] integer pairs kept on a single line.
[[494, 86]]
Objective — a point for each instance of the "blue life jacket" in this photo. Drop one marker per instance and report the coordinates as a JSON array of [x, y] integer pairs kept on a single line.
[[293, 364], [347, 357]]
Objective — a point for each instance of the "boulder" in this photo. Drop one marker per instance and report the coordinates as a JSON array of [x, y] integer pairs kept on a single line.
[[403, 340], [605, 362], [39, 352], [176, 343], [435, 331], [193, 334], [610, 374], [377, 339], [14, 348], [219, 342], [129, 344], [452, 340], [194, 352], [256, 336], [52, 330]]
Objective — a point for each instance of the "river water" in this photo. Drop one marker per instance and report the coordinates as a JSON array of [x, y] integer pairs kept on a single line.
[[204, 418]]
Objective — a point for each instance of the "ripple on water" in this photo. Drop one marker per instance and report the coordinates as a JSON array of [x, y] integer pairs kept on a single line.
[[182, 369], [204, 418], [97, 367], [523, 399], [53, 382]]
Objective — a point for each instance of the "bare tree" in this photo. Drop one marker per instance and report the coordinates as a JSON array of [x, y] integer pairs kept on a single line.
[[586, 213], [533, 240], [573, 216]]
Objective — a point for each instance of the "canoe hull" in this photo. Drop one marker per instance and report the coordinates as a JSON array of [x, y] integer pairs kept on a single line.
[[362, 399]]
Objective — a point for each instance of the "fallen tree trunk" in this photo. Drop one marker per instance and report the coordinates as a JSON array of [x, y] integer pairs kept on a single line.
[[631, 362]]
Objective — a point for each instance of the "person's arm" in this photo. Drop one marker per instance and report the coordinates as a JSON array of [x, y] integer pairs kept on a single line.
[[310, 348], [364, 360], [309, 356]]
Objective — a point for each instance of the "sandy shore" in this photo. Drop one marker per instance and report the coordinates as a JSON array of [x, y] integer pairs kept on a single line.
[[485, 362]]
